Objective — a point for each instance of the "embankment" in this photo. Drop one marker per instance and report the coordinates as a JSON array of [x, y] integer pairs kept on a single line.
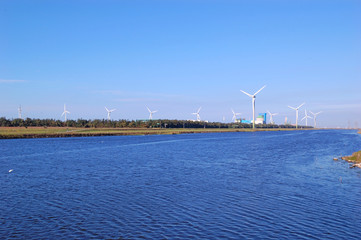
[[56, 132]]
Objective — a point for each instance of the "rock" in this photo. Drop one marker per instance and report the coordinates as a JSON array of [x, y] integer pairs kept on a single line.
[[356, 165]]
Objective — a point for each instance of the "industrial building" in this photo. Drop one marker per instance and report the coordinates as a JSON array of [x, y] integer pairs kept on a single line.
[[261, 119]]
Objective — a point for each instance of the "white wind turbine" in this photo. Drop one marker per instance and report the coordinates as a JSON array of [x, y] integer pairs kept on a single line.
[[271, 116], [19, 112], [296, 109], [253, 101], [234, 118], [305, 117], [109, 112], [151, 113], [197, 113], [314, 118], [65, 112]]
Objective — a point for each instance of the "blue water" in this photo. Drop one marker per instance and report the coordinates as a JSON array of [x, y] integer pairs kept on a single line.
[[280, 185]]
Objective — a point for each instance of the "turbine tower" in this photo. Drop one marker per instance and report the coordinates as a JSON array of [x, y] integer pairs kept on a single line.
[[197, 113], [314, 118], [253, 101], [234, 118], [296, 109], [305, 117], [65, 112], [271, 116], [19, 112], [151, 113], [109, 112]]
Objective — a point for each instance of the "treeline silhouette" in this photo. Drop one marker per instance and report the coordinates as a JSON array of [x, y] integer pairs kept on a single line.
[[122, 123]]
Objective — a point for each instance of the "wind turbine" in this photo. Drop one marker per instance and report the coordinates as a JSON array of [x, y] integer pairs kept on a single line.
[[19, 112], [235, 115], [314, 118], [109, 111], [296, 112], [271, 116], [151, 113], [197, 113], [305, 117], [65, 112], [253, 101]]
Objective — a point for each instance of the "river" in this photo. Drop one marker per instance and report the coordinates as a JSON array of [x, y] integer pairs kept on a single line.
[[260, 185]]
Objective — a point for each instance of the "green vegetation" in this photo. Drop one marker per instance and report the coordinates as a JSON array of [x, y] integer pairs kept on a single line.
[[41, 132], [355, 157], [102, 123], [40, 128]]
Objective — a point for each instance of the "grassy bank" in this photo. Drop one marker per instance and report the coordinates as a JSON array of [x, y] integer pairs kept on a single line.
[[354, 158], [51, 132]]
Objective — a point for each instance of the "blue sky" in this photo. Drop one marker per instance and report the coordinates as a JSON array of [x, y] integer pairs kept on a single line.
[[175, 56]]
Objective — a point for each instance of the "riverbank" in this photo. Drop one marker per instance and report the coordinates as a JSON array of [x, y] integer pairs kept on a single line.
[[56, 132], [354, 158]]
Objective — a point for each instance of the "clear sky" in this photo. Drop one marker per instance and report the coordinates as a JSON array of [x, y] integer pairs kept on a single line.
[[175, 56]]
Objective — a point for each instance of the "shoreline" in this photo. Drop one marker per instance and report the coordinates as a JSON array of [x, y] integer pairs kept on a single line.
[[355, 158], [60, 132]]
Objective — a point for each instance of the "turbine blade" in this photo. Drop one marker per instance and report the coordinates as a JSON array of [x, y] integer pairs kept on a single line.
[[301, 105], [259, 90], [246, 93], [292, 108], [148, 110], [106, 109], [199, 109]]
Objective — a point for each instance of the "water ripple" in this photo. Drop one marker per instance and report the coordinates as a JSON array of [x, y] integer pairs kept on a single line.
[[271, 185]]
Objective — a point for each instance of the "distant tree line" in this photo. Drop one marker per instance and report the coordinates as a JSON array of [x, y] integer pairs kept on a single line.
[[102, 123]]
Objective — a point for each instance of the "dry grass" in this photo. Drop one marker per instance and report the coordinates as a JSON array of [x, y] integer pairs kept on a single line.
[[355, 157], [42, 132]]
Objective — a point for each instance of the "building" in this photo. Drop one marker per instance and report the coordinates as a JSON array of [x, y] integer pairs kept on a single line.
[[261, 119]]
